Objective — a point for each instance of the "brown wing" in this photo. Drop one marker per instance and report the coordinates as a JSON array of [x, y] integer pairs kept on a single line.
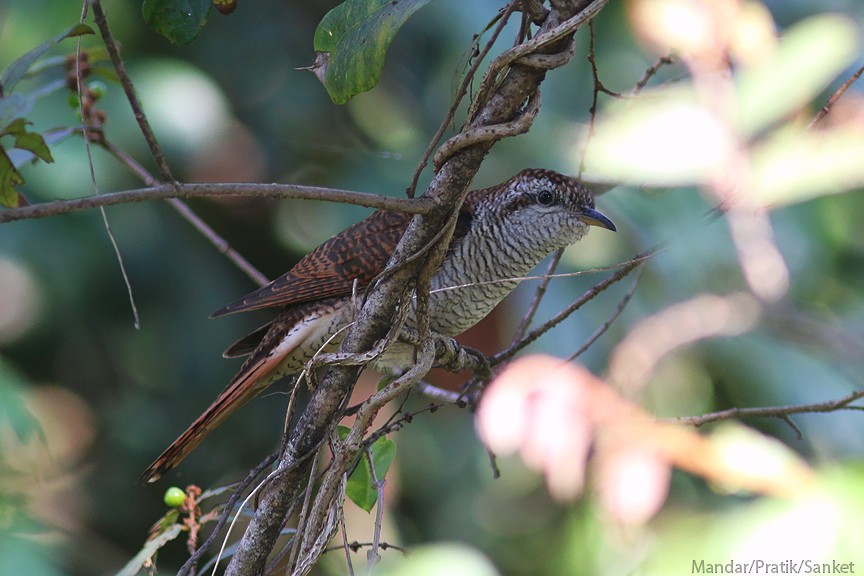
[[359, 252]]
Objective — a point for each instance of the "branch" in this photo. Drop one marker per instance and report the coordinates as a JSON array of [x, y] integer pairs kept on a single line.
[[129, 90], [836, 96], [774, 411], [178, 190], [532, 336]]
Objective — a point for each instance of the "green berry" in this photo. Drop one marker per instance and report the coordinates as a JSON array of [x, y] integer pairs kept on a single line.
[[97, 89], [174, 497], [74, 102]]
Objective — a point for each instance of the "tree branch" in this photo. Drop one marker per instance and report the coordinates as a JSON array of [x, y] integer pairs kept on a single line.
[[774, 411], [219, 190]]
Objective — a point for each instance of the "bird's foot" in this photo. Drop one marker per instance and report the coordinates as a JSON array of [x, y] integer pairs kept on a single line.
[[454, 357]]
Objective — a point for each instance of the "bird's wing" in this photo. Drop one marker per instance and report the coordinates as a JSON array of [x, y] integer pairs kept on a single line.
[[360, 252]]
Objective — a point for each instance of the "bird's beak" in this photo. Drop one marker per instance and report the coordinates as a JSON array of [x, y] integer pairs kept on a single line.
[[594, 218]]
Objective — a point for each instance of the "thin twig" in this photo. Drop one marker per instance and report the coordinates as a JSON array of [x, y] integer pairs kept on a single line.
[[605, 326], [460, 94], [189, 215], [198, 189], [598, 87], [471, 136], [628, 267], [129, 89], [836, 96], [774, 411], [136, 319], [372, 555], [650, 72], [539, 292], [229, 506]]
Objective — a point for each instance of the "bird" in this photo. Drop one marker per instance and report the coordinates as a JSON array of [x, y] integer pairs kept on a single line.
[[500, 234]]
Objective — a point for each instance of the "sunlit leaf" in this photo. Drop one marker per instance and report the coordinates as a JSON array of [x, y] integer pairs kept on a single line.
[[795, 165], [809, 57], [662, 138], [180, 21], [17, 69], [352, 41]]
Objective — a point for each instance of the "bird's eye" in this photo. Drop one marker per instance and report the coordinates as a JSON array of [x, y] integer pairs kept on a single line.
[[545, 198]]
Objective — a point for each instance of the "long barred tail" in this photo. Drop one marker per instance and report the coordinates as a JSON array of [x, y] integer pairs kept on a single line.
[[248, 383]]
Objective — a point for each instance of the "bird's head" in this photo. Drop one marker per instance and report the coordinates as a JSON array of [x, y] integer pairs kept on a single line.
[[544, 207]]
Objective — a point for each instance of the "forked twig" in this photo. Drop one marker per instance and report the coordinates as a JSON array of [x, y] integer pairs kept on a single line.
[[532, 336], [774, 411]]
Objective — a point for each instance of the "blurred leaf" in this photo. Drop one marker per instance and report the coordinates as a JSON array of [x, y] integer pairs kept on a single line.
[[809, 56], [662, 138], [225, 6], [361, 487], [17, 69], [150, 548], [25, 556], [180, 21], [14, 106], [814, 528], [450, 559], [9, 178], [795, 165], [12, 407], [355, 36]]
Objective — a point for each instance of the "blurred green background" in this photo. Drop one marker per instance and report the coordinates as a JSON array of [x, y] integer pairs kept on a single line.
[[233, 107]]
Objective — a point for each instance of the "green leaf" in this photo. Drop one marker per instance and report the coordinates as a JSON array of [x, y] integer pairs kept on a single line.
[[32, 144], [30, 141], [9, 178], [352, 41], [180, 21], [20, 157], [12, 407], [361, 487], [136, 564], [795, 165], [810, 55], [17, 69]]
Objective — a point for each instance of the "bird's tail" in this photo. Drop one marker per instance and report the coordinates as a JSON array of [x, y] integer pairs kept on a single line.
[[249, 382]]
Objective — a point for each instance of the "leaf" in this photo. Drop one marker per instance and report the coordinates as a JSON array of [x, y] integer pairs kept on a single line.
[[180, 21], [795, 165], [361, 487], [32, 144], [356, 35], [20, 157], [30, 141], [663, 137], [150, 548], [9, 178], [17, 69], [12, 406], [810, 55], [14, 106]]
